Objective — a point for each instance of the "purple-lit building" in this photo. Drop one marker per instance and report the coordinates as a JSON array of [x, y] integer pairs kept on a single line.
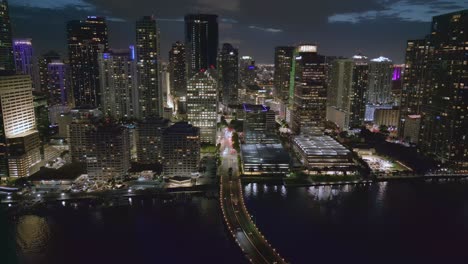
[[24, 60], [397, 83]]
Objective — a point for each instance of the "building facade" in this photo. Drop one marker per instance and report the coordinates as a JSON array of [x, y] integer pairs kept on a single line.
[[6, 45], [380, 81], [150, 94], [25, 61], [201, 42], [177, 75], [149, 140], [228, 70], [202, 105], [117, 73], [86, 38], [282, 76], [181, 149]]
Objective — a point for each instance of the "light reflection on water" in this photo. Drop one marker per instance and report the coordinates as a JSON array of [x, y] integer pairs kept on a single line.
[[32, 234]]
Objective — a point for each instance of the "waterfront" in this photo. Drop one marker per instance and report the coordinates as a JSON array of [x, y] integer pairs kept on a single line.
[[387, 222], [393, 222]]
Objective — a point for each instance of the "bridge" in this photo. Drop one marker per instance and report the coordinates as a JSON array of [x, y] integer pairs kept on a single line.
[[238, 220]]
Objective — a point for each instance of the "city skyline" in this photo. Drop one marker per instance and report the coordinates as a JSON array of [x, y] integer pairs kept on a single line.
[[375, 28]]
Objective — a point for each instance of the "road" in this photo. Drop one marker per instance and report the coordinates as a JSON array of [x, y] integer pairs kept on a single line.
[[254, 245]]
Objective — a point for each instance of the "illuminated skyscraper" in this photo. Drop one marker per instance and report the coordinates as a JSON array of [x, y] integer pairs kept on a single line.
[[380, 81], [308, 89], [58, 83], [117, 70], [358, 98], [247, 70], [228, 70], [86, 38], [177, 75], [6, 49], [82, 121], [18, 133], [444, 113], [283, 63], [43, 62], [150, 94], [201, 42], [25, 60], [202, 105]]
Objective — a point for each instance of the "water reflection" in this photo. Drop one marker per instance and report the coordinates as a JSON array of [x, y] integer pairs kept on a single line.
[[32, 235]]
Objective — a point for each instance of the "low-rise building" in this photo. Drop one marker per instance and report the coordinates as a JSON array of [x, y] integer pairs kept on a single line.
[[264, 159]]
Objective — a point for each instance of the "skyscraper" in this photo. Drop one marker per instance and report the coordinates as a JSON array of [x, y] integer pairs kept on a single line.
[[19, 138], [25, 61], [308, 89], [58, 83], [380, 81], [117, 70], [358, 98], [43, 62], [228, 70], [82, 121], [177, 71], [86, 38], [150, 94], [201, 42], [444, 121], [339, 92], [202, 105], [283, 63], [247, 70], [6, 49]]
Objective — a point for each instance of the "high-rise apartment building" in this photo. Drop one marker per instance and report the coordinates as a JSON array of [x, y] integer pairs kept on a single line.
[[228, 70], [380, 81], [202, 105], [43, 63], [117, 73], [19, 138], [86, 38], [358, 95], [283, 63], [149, 139], [6, 48], [82, 121], [444, 113], [181, 149], [201, 42], [177, 74], [58, 83], [247, 70], [150, 94], [108, 154], [308, 89]]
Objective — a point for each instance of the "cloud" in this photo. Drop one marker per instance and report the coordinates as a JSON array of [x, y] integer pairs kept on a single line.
[[180, 19], [404, 10], [54, 4], [229, 20], [115, 19], [219, 5], [271, 30]]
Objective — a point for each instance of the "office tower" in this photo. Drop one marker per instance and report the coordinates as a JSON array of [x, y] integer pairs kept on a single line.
[[259, 125], [86, 38], [397, 84], [108, 155], [82, 121], [181, 149], [6, 50], [380, 81], [43, 63], [358, 98], [414, 90], [201, 42], [149, 139], [20, 142], [117, 73], [283, 63], [25, 61], [308, 89], [150, 94], [444, 121], [178, 80], [228, 70], [247, 70], [202, 105]]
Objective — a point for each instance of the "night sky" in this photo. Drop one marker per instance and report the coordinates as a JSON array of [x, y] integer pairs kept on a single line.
[[339, 27]]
